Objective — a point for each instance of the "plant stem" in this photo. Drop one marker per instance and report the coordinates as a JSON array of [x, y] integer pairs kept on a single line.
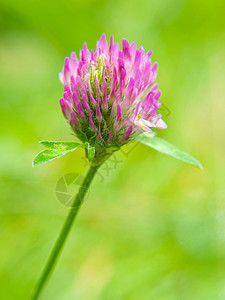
[[49, 266]]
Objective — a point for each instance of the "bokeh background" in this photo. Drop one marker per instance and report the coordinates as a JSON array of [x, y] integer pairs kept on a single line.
[[152, 228]]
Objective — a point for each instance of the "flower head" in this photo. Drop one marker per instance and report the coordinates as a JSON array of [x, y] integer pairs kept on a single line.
[[110, 95]]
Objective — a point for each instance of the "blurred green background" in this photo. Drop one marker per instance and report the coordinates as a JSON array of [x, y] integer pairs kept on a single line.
[[153, 227]]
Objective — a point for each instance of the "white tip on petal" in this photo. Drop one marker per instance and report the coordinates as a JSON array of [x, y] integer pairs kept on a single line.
[[144, 124], [61, 77], [161, 124]]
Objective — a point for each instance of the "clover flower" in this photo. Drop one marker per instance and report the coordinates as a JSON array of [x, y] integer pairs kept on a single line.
[[110, 95]]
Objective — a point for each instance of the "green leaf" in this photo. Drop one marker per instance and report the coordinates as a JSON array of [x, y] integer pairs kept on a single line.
[[165, 147], [90, 151], [56, 150]]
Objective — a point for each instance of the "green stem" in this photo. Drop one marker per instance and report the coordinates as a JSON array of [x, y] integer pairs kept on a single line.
[[49, 266]]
